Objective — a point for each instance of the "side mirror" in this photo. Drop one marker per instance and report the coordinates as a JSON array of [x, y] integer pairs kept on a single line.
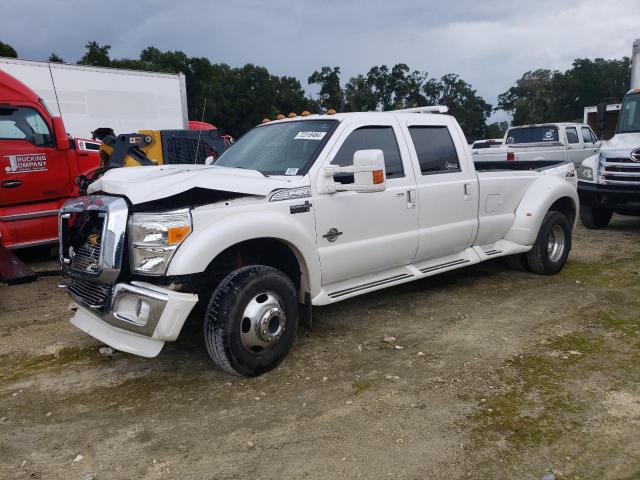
[[368, 171], [60, 132]]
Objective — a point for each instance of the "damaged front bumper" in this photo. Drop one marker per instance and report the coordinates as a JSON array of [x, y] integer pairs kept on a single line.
[[139, 317]]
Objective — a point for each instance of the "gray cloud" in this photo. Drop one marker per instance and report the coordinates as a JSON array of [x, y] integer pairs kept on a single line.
[[489, 43]]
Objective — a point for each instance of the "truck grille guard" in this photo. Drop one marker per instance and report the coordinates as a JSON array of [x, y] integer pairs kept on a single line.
[[619, 171]]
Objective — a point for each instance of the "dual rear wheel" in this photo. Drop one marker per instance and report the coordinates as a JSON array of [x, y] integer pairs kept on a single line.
[[551, 248]]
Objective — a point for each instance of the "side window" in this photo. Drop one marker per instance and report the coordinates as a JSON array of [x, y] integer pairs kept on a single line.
[[594, 138], [572, 135], [435, 149], [587, 136], [24, 124], [366, 138]]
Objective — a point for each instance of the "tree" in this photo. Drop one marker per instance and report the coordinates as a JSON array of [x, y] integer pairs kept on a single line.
[[553, 96], [470, 109], [330, 90], [96, 55], [55, 58], [7, 50], [496, 129]]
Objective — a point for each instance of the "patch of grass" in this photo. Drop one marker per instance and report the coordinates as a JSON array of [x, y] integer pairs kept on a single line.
[[360, 386], [11, 371], [600, 274], [534, 407]]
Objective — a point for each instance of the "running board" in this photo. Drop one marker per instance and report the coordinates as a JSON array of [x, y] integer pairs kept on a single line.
[[366, 286], [444, 265], [14, 271]]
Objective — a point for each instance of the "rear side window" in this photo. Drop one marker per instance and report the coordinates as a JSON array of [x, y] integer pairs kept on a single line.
[[587, 135], [367, 138], [572, 135], [435, 149], [533, 135]]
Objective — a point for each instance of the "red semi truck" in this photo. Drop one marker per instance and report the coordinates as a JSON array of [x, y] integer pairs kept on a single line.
[[39, 163]]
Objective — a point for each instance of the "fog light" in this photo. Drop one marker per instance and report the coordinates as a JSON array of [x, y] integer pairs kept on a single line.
[[132, 309]]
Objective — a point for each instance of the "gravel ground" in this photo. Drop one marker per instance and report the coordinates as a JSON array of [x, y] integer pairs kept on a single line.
[[491, 374]]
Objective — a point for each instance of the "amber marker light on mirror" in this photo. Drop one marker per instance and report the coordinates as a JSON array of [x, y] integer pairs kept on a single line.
[[378, 177]]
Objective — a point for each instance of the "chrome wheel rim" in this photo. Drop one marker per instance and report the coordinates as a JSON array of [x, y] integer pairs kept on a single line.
[[263, 322], [555, 243]]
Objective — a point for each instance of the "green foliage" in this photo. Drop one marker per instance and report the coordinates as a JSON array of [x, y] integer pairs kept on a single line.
[[55, 58], [7, 50], [96, 55], [553, 96], [497, 129], [330, 90]]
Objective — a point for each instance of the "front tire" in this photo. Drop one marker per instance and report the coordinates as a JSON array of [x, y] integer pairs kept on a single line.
[[552, 246], [594, 217], [251, 320]]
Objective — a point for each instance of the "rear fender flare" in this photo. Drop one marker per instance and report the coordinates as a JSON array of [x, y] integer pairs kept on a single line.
[[534, 206]]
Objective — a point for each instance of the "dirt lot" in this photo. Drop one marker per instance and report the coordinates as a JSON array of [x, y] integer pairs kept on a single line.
[[493, 374]]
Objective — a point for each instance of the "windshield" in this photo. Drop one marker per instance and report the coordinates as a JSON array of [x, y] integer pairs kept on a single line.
[[288, 148], [532, 135], [629, 120]]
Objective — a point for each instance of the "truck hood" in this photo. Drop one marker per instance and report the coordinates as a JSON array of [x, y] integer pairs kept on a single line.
[[145, 184], [624, 142]]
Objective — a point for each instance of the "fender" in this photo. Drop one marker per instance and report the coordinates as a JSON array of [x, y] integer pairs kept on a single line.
[[206, 242], [534, 206]]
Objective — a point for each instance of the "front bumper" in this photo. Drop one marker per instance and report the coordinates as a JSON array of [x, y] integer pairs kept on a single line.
[[140, 317], [609, 196]]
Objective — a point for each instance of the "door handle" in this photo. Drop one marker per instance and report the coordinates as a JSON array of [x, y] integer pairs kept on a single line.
[[467, 192], [11, 183], [411, 199]]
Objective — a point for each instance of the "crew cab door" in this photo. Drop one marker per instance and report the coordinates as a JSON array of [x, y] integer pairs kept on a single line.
[[31, 168], [364, 233], [575, 148], [590, 142], [447, 186]]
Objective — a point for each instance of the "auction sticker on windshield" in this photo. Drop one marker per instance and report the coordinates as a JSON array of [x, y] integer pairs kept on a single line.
[[291, 171], [310, 135]]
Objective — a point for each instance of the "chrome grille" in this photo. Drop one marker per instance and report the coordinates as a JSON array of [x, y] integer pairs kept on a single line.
[[86, 258], [619, 171], [94, 295]]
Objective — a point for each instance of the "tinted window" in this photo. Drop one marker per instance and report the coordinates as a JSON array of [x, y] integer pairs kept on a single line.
[[587, 135], [24, 124], [532, 135], [572, 135], [367, 138], [435, 149]]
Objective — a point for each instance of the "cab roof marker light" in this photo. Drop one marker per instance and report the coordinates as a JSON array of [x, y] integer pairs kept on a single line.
[[290, 194], [293, 115], [306, 113], [280, 117]]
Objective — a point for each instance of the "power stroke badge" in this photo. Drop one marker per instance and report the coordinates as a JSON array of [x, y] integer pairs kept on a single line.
[[30, 162]]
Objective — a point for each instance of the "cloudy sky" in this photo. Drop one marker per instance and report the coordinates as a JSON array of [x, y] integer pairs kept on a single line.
[[489, 43]]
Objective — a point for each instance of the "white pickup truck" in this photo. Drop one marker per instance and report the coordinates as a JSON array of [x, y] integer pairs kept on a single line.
[[549, 141], [299, 212]]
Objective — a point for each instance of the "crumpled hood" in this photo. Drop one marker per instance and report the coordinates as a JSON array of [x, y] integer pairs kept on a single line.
[[622, 142], [145, 184]]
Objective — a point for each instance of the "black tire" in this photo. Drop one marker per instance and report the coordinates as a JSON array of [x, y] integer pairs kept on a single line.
[[518, 262], [225, 324], [540, 259], [594, 217]]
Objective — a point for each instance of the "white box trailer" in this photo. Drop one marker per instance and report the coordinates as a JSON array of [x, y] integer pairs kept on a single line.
[[93, 97]]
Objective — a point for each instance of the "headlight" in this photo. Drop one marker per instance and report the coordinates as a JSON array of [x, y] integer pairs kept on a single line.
[[154, 238], [585, 173]]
